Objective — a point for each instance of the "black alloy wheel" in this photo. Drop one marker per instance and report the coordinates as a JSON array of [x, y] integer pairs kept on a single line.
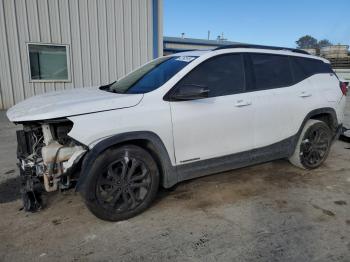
[[122, 183], [315, 146]]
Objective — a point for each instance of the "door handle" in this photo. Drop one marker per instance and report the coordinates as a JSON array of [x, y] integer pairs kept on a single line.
[[241, 103], [305, 94]]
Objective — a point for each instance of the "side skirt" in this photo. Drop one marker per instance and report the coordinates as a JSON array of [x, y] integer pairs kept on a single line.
[[275, 151]]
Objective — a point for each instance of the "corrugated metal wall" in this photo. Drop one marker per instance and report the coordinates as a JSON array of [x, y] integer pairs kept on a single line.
[[107, 39]]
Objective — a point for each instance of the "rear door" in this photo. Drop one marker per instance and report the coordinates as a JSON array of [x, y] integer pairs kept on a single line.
[[275, 98], [220, 124]]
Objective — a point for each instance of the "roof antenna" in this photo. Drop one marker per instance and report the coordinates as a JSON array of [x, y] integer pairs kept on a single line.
[[208, 34], [182, 35]]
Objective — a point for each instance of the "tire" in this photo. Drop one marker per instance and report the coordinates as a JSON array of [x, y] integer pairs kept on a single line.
[[123, 182], [313, 145]]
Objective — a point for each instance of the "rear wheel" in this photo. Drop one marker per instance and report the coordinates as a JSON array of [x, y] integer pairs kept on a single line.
[[123, 183], [313, 145]]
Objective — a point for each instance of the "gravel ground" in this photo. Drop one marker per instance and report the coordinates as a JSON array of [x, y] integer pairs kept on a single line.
[[268, 212]]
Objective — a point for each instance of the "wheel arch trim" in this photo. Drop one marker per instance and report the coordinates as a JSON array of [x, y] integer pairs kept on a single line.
[[325, 110], [315, 112], [168, 172]]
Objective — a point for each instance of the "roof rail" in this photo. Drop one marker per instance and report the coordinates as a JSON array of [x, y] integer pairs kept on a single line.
[[262, 47]]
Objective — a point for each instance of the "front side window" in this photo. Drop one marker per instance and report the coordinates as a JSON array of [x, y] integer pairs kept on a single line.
[[221, 75], [48, 62], [151, 76], [270, 71]]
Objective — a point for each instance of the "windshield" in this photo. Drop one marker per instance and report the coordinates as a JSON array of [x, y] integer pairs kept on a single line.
[[151, 76]]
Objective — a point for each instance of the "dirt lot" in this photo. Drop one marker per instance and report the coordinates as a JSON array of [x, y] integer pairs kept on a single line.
[[268, 212]]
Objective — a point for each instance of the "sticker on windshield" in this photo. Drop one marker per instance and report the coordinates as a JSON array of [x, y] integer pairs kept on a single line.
[[186, 59]]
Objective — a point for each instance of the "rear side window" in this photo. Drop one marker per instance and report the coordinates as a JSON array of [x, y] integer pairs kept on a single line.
[[306, 67], [269, 71], [222, 75]]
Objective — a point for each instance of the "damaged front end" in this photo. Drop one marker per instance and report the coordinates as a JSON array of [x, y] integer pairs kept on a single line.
[[48, 159]]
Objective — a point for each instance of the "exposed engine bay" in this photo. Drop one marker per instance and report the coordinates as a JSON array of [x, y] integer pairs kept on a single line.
[[48, 159]]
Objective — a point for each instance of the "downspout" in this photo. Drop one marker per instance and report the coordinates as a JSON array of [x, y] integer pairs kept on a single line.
[[157, 28]]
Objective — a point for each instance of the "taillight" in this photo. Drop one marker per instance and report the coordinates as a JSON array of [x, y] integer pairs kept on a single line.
[[343, 87]]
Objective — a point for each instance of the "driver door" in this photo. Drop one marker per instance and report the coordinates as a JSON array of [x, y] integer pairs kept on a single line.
[[220, 124]]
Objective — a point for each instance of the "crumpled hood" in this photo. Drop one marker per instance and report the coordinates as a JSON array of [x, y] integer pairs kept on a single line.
[[70, 102]]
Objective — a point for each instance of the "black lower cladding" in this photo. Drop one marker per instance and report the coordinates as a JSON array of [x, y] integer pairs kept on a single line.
[[282, 149]]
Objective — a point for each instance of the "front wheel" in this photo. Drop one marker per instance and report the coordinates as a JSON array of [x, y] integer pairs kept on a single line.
[[123, 183], [313, 145]]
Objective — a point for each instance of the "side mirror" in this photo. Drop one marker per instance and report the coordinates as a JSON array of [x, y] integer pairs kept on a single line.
[[190, 92]]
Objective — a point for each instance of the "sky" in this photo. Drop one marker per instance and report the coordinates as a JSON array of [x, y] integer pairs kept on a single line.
[[265, 22]]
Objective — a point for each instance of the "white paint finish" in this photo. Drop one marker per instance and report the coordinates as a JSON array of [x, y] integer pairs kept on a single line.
[[340, 110], [277, 114], [328, 90], [103, 40], [137, 118], [211, 127], [70, 102]]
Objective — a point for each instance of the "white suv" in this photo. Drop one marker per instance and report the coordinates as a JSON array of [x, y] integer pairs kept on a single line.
[[178, 117]]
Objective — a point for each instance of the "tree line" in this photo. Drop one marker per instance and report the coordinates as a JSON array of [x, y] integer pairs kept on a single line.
[[308, 41]]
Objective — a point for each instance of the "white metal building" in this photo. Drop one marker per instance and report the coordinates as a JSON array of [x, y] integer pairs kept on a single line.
[[48, 45]]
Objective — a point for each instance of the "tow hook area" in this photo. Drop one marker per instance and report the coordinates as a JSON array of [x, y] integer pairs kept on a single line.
[[31, 191], [48, 161], [31, 201]]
